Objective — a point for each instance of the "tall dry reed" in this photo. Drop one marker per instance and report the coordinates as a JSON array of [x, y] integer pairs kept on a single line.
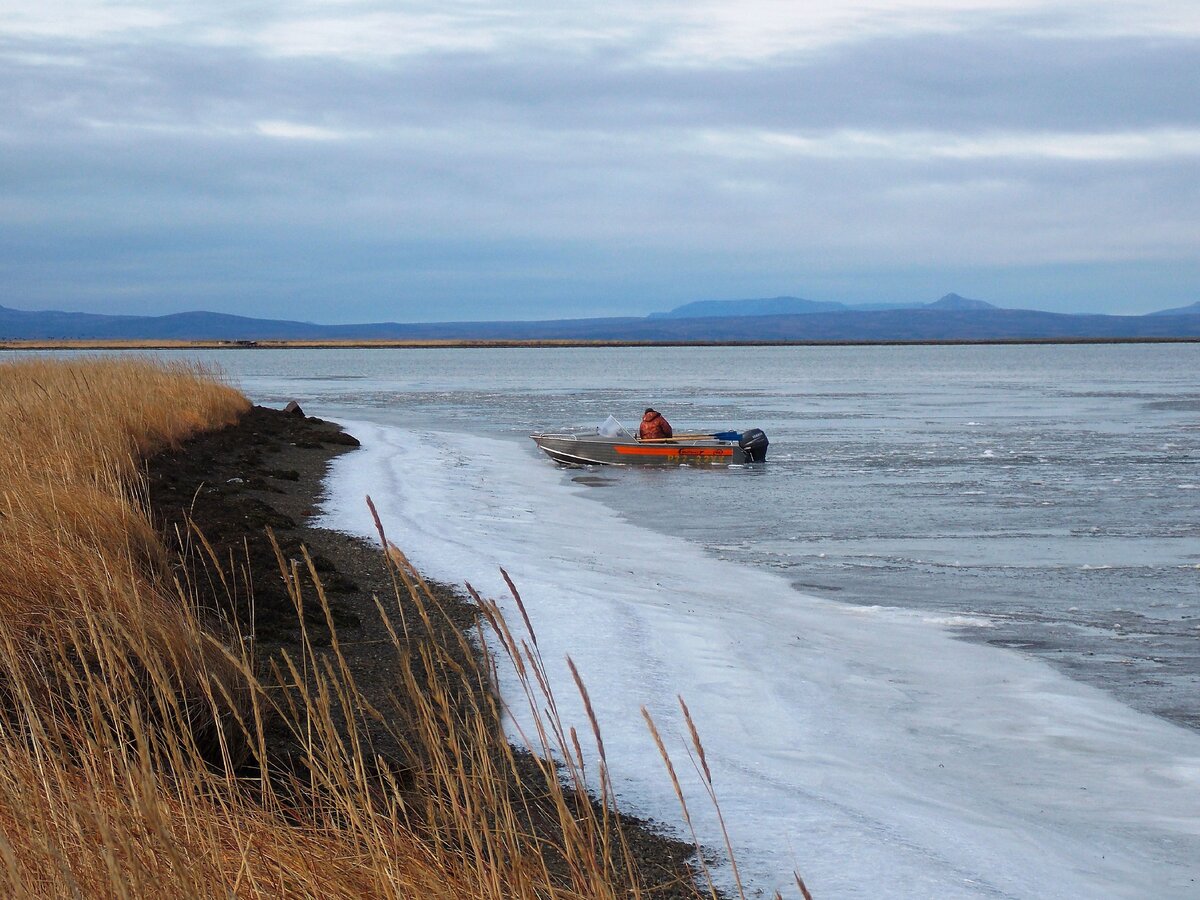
[[137, 753], [84, 575]]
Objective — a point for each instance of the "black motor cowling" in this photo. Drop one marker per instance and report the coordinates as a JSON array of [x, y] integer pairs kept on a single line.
[[754, 445]]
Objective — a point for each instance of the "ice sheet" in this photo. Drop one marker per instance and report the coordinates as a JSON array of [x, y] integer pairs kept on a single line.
[[865, 747]]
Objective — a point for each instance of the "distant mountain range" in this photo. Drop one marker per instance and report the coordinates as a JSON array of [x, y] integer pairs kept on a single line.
[[797, 306], [1192, 309], [773, 319]]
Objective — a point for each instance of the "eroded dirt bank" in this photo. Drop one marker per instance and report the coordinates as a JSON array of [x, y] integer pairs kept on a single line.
[[264, 475]]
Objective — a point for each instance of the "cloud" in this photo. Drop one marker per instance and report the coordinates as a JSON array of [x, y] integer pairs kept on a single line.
[[702, 33], [1150, 145], [467, 157], [297, 131]]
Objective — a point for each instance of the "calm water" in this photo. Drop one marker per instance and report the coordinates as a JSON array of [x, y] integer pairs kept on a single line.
[[1042, 498]]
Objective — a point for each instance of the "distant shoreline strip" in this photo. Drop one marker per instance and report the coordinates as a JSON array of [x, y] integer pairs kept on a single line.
[[551, 343]]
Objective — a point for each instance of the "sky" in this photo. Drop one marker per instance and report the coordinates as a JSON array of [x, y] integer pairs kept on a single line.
[[349, 160]]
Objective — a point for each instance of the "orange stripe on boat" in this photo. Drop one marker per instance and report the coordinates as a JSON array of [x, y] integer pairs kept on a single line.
[[674, 451], [647, 451]]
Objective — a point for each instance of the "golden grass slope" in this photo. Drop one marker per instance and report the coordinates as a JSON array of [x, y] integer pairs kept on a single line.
[[73, 535], [133, 750], [122, 719]]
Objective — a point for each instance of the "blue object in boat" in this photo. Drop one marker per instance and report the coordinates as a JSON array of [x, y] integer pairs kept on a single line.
[[728, 436]]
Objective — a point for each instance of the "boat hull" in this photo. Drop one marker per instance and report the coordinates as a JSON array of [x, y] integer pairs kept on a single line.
[[571, 450]]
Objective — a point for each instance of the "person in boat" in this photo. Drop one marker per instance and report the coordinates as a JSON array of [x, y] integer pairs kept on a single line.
[[654, 426]]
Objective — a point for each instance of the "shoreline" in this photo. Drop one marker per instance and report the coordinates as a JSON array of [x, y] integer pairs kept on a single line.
[[266, 472], [811, 709], [541, 344]]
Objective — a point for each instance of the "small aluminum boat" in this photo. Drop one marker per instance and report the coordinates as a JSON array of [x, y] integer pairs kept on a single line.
[[612, 445]]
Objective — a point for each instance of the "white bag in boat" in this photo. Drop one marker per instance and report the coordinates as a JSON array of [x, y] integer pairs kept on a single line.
[[612, 429]]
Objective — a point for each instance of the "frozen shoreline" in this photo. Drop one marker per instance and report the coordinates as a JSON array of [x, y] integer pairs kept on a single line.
[[866, 747]]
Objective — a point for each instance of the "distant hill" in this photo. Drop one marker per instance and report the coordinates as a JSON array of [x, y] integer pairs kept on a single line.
[[790, 306], [952, 318], [16, 324], [871, 307], [954, 301], [771, 306], [1192, 309]]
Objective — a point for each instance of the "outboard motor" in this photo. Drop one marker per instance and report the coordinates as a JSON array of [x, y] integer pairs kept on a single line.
[[754, 445]]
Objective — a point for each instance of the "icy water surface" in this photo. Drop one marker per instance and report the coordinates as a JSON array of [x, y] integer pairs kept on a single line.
[[1040, 501], [1043, 498]]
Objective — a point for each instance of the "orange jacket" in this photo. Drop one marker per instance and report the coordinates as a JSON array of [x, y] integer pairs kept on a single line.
[[654, 426]]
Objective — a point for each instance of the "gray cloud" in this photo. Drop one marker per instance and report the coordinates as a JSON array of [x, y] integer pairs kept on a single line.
[[521, 181], [961, 82]]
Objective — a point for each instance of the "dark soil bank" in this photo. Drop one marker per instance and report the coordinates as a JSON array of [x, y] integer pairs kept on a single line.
[[263, 476]]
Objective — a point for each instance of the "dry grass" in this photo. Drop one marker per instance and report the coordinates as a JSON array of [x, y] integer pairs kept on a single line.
[[270, 344], [134, 758], [85, 579]]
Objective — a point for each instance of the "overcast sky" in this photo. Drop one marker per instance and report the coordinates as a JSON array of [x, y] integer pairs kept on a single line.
[[345, 160]]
